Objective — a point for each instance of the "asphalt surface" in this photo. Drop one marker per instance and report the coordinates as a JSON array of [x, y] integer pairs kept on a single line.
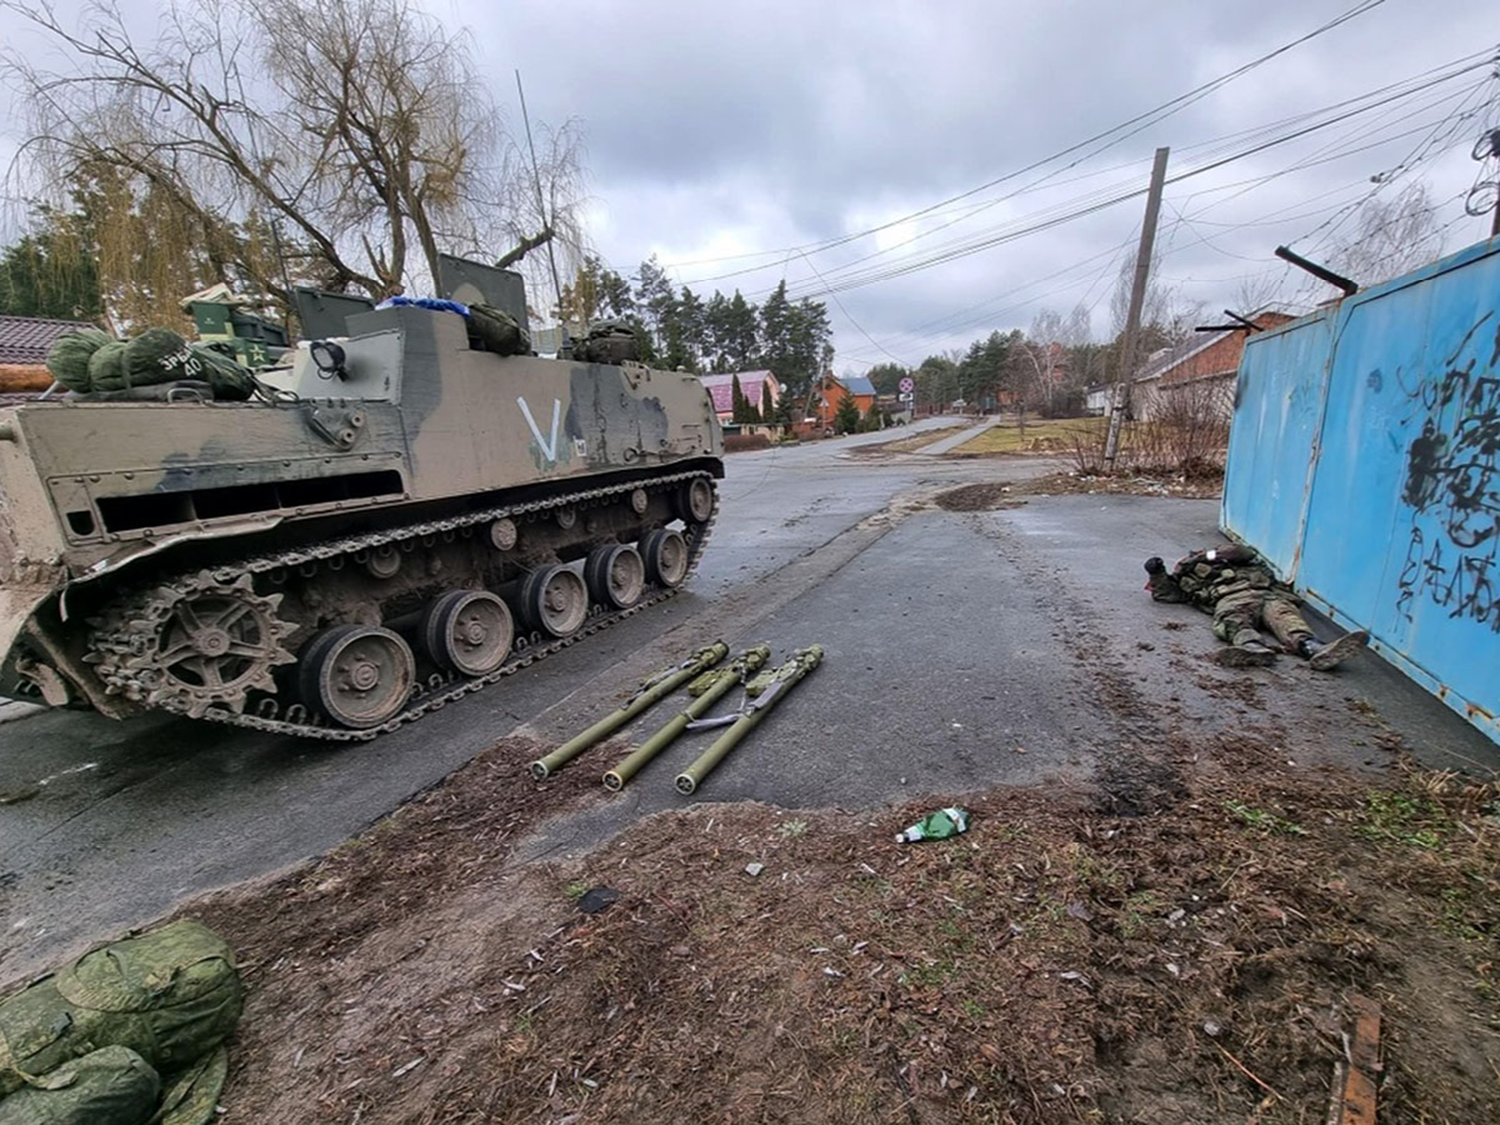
[[127, 818], [963, 650]]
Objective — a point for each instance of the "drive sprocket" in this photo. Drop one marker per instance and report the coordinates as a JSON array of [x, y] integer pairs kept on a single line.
[[191, 645]]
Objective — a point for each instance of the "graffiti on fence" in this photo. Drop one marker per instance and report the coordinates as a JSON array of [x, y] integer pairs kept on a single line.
[[1453, 485]]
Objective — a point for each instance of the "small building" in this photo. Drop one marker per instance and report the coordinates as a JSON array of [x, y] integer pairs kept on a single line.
[[1199, 372], [1096, 399], [24, 341], [833, 389], [761, 387]]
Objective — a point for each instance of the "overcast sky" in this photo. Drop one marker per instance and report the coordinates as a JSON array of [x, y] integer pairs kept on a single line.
[[720, 129]]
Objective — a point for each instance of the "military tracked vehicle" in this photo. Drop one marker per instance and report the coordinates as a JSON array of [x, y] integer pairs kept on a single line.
[[404, 519]]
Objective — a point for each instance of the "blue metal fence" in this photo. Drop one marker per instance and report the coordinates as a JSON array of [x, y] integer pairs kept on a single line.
[[1364, 464]]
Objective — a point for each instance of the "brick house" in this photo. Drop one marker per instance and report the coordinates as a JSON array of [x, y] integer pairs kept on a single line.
[[1202, 367], [761, 387], [832, 390]]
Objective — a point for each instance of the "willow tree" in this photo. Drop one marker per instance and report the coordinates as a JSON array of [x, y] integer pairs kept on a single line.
[[269, 143]]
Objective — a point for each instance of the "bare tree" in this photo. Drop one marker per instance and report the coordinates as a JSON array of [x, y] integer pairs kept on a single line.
[[1257, 291], [1078, 328], [1044, 347], [1156, 307], [1394, 235], [274, 142]]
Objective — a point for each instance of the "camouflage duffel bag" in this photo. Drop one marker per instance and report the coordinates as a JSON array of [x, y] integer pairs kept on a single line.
[[172, 995], [230, 381], [68, 357], [157, 355], [107, 367], [611, 341], [498, 331]]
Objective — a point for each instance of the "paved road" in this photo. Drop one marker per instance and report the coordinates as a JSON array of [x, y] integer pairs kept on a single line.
[[964, 650], [131, 816]]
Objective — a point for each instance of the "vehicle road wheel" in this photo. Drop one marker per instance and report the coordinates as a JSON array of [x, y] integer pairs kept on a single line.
[[468, 631], [555, 601], [358, 675], [695, 500], [666, 555], [615, 575]]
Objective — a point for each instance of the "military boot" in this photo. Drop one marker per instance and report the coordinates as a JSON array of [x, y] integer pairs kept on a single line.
[[1248, 651], [1325, 658]]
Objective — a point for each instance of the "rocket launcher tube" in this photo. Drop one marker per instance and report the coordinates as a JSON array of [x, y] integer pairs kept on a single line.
[[651, 692], [777, 684], [709, 688]]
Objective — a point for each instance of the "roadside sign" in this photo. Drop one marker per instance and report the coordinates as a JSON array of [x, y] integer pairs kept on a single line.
[[907, 386], [907, 397]]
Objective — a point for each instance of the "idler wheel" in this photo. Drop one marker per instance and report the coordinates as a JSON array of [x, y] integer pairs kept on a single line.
[[615, 575], [358, 675], [468, 631]]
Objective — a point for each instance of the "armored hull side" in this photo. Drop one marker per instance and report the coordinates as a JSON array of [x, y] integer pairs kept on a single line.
[[443, 510]]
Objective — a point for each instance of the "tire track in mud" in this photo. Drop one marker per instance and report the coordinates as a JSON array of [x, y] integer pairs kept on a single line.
[[1140, 774]]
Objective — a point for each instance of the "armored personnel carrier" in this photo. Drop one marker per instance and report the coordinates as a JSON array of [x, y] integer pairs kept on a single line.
[[407, 518]]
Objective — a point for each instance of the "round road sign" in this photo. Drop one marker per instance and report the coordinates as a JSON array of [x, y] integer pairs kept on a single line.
[[907, 386]]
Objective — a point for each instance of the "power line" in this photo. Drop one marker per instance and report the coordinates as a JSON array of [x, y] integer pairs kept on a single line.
[[958, 321], [1144, 120], [1331, 225], [846, 313], [1081, 209]]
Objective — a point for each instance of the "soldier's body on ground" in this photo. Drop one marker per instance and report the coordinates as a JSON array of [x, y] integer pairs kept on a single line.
[[1237, 587]]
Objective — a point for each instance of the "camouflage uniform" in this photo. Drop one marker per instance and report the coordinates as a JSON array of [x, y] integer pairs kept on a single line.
[[1243, 598], [1234, 585]]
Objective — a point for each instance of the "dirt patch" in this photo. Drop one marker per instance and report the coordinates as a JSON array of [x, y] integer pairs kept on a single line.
[[1240, 688], [744, 443], [1068, 483], [979, 497], [1056, 964]]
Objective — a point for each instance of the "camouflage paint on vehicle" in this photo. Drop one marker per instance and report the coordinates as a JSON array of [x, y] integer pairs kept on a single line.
[[415, 429]]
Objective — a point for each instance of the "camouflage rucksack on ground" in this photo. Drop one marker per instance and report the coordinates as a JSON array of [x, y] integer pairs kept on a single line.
[[170, 995], [111, 1086]]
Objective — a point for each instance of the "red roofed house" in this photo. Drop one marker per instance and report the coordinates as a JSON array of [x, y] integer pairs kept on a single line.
[[24, 341], [832, 390], [760, 387]]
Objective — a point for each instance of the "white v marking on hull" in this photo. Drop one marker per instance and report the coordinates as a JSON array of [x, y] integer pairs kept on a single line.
[[548, 447]]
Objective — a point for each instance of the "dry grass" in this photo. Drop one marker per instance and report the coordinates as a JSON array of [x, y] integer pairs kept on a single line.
[[1044, 436], [1200, 486], [1062, 962], [907, 444]]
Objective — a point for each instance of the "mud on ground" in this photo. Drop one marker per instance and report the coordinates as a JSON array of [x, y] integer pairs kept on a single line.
[[1072, 483], [979, 497], [1177, 945], [994, 495]]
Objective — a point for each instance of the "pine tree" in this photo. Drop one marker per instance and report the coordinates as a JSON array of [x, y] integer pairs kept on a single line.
[[846, 417], [51, 271], [741, 341], [742, 409]]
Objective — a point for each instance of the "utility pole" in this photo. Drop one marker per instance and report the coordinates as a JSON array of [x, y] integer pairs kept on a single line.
[[1121, 398]]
